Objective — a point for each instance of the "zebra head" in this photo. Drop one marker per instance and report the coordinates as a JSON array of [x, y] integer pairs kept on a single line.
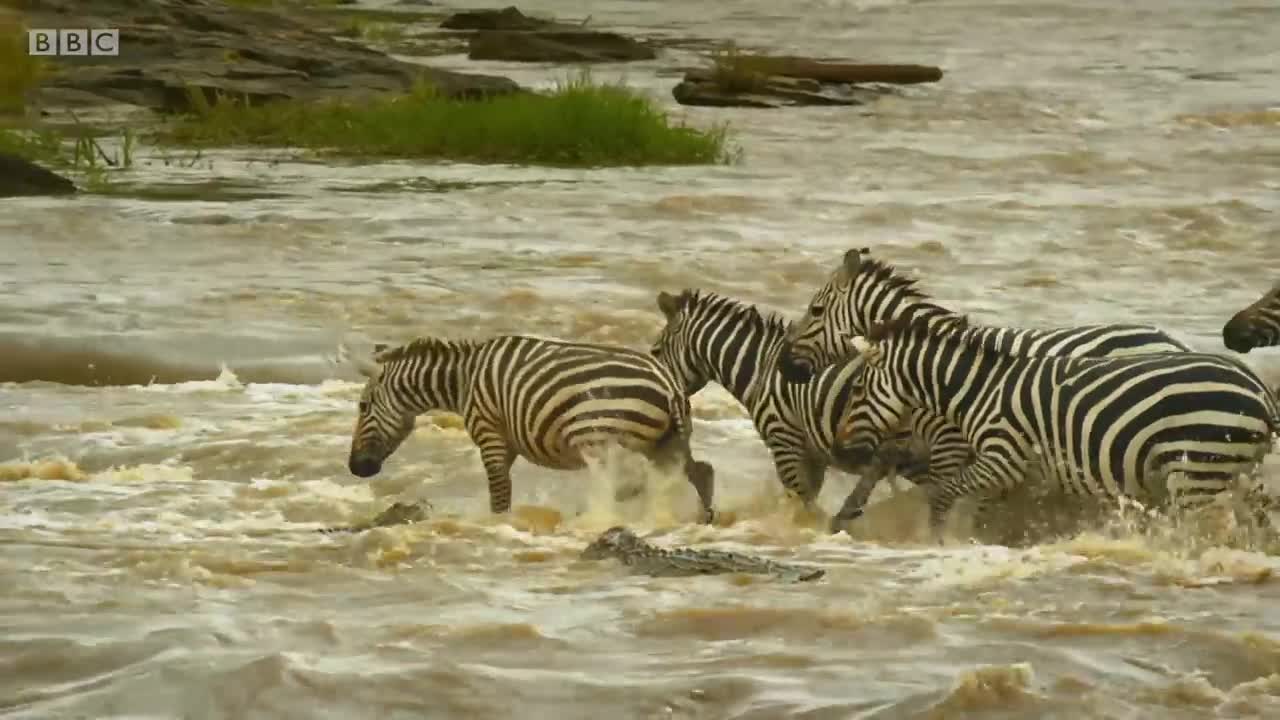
[[861, 291], [1255, 326], [673, 347], [877, 404], [819, 338], [383, 421]]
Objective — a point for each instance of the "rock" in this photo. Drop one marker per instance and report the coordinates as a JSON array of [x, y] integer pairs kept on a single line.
[[222, 49], [762, 81], [510, 35], [20, 177], [704, 87], [557, 46], [508, 18], [834, 72]]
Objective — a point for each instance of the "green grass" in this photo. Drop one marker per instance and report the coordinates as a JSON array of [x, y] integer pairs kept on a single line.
[[580, 124], [735, 72], [20, 73], [361, 29], [80, 155]]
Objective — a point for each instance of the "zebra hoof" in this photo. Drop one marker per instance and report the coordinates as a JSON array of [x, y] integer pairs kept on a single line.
[[708, 517]]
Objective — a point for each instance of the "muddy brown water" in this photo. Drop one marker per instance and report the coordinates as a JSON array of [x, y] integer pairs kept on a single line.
[[172, 434]]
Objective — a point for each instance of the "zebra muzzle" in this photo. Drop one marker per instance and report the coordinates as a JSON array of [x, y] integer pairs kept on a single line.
[[793, 369], [364, 466], [1241, 341]]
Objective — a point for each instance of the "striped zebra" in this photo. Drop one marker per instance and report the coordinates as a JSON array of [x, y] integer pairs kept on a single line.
[[552, 403], [1101, 427], [713, 338], [863, 291], [1255, 326]]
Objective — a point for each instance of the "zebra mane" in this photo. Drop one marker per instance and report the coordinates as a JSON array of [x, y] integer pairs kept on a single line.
[[955, 327], [418, 348], [858, 264], [859, 261], [734, 309], [911, 325]]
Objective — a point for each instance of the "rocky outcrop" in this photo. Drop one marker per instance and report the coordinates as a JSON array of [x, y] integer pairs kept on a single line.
[[508, 18], [20, 177], [510, 35], [779, 81], [576, 46], [218, 49]]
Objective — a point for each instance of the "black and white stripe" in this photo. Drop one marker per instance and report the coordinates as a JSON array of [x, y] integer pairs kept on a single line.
[[1102, 427], [1255, 326], [713, 338], [864, 291], [547, 401]]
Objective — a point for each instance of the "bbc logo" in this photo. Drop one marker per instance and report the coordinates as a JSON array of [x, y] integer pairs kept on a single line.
[[73, 42]]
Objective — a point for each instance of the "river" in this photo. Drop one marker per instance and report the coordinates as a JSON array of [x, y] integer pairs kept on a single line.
[[172, 433]]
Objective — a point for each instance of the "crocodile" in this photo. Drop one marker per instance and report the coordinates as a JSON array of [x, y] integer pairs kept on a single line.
[[397, 514], [621, 543]]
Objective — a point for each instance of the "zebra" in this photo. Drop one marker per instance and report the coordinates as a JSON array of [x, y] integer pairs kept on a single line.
[[550, 402], [1255, 326], [713, 338], [864, 290], [1103, 427]]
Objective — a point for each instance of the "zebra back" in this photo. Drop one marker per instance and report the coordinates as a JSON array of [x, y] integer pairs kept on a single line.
[[930, 364], [864, 291]]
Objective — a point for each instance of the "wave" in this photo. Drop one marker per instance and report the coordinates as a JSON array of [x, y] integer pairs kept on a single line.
[[112, 360]]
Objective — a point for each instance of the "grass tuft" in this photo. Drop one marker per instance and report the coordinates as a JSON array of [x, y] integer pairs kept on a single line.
[[580, 124], [735, 72], [20, 73], [80, 155], [376, 32]]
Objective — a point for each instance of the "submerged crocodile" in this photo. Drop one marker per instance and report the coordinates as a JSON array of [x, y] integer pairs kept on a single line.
[[621, 543], [397, 514]]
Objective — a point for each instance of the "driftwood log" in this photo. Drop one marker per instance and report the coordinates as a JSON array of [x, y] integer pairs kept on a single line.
[[769, 81]]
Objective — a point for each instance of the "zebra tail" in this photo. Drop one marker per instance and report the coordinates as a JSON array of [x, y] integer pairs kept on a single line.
[[681, 425]]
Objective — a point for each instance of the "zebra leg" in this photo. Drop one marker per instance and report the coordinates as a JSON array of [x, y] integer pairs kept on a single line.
[[702, 476], [497, 459], [851, 510], [983, 477], [676, 448], [799, 475]]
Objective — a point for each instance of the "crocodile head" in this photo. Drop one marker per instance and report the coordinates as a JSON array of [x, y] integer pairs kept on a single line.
[[614, 542], [401, 513]]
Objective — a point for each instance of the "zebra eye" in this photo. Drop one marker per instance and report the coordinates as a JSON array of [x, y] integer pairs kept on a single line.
[[816, 310], [363, 407]]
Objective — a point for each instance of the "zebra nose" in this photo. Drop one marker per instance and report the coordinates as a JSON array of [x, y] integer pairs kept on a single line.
[[364, 467], [1237, 341]]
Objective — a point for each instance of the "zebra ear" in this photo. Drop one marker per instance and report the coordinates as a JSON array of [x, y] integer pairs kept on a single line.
[[379, 347], [849, 264], [670, 304]]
